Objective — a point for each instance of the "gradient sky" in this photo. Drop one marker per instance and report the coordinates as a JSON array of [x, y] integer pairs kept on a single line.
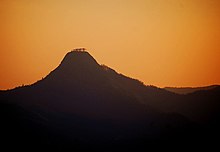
[[160, 42]]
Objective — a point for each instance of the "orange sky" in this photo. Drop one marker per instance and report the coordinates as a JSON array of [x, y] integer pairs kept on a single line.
[[160, 42]]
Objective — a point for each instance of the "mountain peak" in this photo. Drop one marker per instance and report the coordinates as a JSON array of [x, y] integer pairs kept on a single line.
[[76, 64], [77, 52], [78, 57], [76, 67]]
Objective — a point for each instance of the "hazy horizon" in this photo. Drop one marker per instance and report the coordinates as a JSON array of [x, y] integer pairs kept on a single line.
[[166, 44]]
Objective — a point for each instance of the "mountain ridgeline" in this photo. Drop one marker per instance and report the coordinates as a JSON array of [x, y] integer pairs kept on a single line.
[[84, 105], [187, 90]]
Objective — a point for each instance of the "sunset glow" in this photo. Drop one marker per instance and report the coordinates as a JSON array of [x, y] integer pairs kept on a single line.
[[162, 43]]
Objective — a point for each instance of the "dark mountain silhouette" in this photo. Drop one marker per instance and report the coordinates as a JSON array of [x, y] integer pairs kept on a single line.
[[187, 90], [87, 106]]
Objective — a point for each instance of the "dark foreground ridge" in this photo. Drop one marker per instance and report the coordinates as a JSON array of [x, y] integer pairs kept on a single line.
[[86, 106]]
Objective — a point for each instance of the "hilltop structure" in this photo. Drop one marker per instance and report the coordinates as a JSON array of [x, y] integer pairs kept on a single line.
[[79, 49]]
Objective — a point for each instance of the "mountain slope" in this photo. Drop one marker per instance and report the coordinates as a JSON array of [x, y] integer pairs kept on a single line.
[[83, 103], [80, 85]]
